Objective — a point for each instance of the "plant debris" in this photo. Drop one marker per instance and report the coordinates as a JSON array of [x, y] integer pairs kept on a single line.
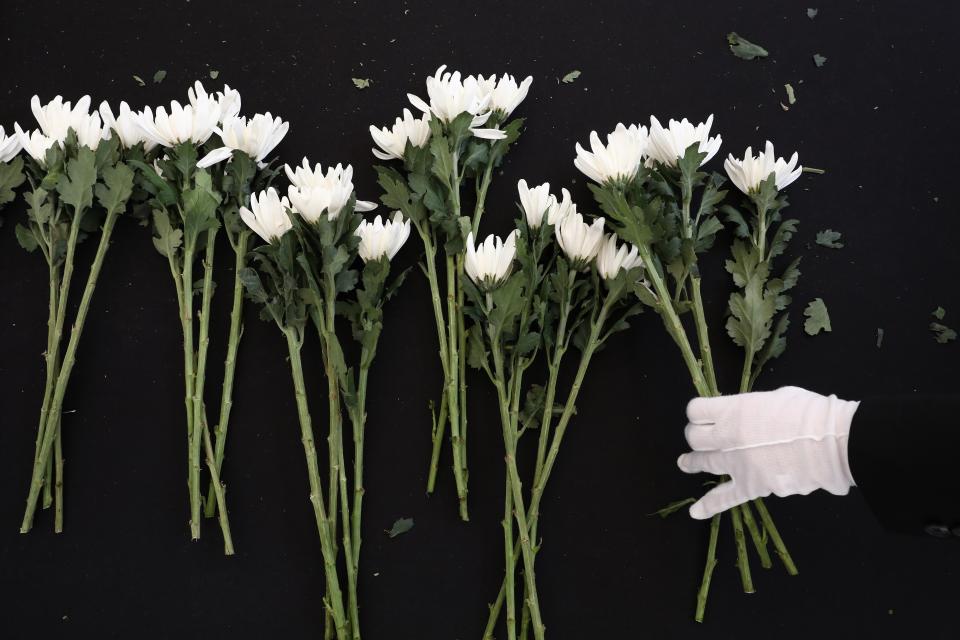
[[361, 83], [570, 77], [791, 96], [139, 81], [812, 13], [830, 239], [743, 48], [818, 318], [819, 60], [401, 526], [159, 76]]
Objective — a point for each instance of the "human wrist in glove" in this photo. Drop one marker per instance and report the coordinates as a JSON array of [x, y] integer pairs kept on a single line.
[[789, 441]]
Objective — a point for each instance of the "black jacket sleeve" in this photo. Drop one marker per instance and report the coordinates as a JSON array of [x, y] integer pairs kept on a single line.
[[904, 454]]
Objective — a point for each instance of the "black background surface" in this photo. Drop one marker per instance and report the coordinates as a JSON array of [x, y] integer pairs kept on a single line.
[[879, 117]]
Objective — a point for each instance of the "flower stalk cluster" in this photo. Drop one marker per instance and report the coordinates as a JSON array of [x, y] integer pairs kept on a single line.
[[193, 195], [79, 182], [304, 277], [574, 287], [657, 198], [463, 135]]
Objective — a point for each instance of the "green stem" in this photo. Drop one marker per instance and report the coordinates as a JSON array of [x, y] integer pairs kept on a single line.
[[52, 360], [708, 568], [189, 375], [703, 337], [63, 376], [510, 561], [219, 491], [743, 563], [774, 534], [359, 428], [436, 437], [453, 387], [462, 373], [203, 345], [482, 197], [440, 425], [758, 541], [230, 364], [58, 475]]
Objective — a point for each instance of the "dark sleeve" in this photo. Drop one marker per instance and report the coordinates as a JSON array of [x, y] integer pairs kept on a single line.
[[904, 454]]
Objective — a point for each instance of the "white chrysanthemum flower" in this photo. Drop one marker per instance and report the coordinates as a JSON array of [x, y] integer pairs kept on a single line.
[[611, 260], [57, 117], [313, 192], [748, 173], [256, 138], [490, 263], [450, 96], [267, 215], [9, 145], [393, 141], [536, 202], [184, 123], [34, 143], [668, 145], [562, 208], [227, 102], [579, 240], [505, 94], [380, 239], [126, 126], [618, 160]]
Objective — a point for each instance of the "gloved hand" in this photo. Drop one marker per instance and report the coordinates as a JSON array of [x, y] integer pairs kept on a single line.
[[785, 442]]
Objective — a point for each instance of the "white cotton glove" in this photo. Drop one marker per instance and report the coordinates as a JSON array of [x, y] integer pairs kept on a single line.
[[789, 441]]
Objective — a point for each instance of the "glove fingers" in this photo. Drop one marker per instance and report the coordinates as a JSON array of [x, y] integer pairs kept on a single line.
[[702, 437], [702, 461], [717, 500], [704, 410]]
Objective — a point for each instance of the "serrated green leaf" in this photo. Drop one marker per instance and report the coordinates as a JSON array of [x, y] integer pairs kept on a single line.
[[115, 190], [818, 318], [942, 333], [939, 313], [361, 83], [751, 315], [11, 177], [819, 60], [571, 76], [830, 239], [76, 187], [25, 237]]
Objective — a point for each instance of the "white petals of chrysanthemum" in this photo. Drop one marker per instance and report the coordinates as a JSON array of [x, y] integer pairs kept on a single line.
[[267, 215], [380, 239], [57, 117], [393, 141], [34, 143], [450, 96], [489, 263], [749, 172], [313, 192], [184, 123], [668, 145], [505, 94], [125, 125], [9, 145], [256, 137], [226, 103], [579, 240], [562, 209], [536, 202], [611, 259], [618, 160]]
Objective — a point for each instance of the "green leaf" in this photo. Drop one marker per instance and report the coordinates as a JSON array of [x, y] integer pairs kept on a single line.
[[115, 190], [361, 83], [442, 160], [476, 349], [819, 60], [168, 239], [253, 285], [939, 313], [830, 239], [11, 177], [942, 333], [751, 315], [26, 238], [199, 207], [527, 343], [741, 229], [400, 526], [745, 263], [76, 187], [818, 318], [673, 507], [159, 76], [571, 76], [743, 48]]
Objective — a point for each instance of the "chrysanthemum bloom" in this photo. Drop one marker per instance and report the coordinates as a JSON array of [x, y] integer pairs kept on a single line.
[[57, 117], [34, 143], [184, 123], [256, 138], [489, 263], [380, 239], [611, 259], [125, 126], [580, 241], [393, 141], [536, 202], [668, 145], [619, 160], [313, 192], [267, 215], [505, 94], [450, 96], [9, 145], [227, 102], [748, 173]]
